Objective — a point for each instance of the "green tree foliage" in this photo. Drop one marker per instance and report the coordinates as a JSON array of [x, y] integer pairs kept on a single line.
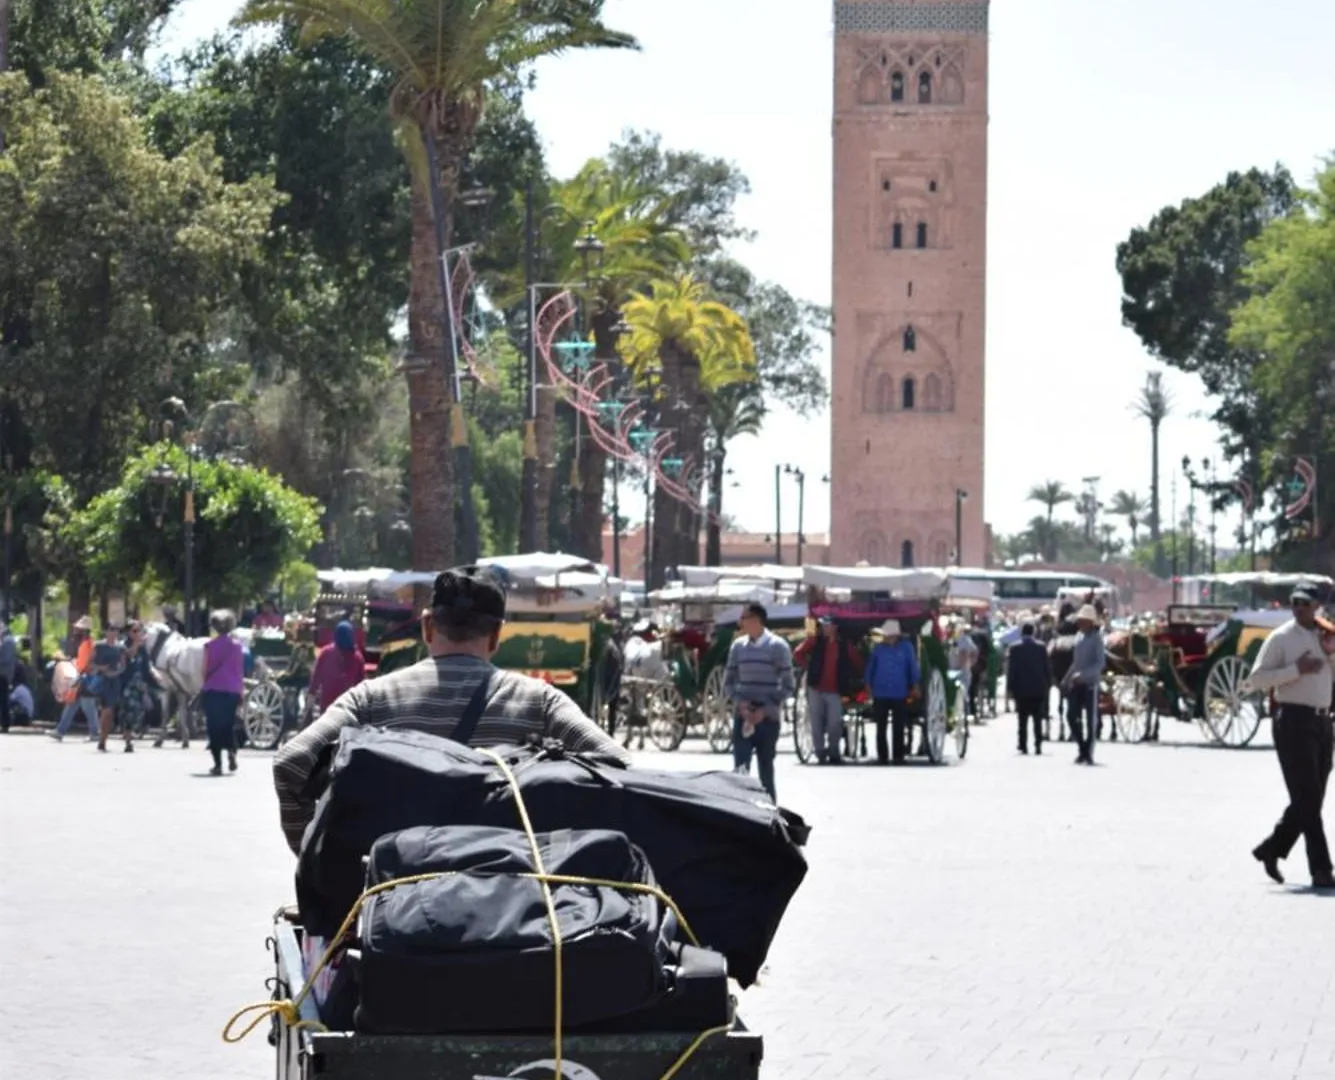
[[1182, 277], [84, 36], [250, 527], [1289, 321], [115, 264]]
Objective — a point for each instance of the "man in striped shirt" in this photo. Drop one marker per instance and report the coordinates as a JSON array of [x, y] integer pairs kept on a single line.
[[758, 679], [462, 632]]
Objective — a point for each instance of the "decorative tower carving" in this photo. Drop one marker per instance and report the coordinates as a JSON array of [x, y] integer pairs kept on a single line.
[[910, 259]]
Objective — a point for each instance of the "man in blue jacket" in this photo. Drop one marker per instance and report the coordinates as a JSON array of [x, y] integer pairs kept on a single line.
[[892, 677]]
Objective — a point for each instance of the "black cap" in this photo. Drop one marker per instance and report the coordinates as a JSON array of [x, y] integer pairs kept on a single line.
[[1302, 595], [466, 591]]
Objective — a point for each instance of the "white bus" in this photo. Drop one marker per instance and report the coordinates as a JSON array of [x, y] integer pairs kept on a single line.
[[1015, 590]]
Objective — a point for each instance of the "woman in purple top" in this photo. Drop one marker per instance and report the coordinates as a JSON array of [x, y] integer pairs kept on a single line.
[[224, 681]]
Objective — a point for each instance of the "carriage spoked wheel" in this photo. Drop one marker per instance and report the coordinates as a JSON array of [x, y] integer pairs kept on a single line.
[[718, 716], [667, 717], [262, 714], [934, 718], [1132, 695], [1233, 715], [803, 743], [961, 733]]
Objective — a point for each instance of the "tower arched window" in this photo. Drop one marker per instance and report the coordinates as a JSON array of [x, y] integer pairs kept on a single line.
[[906, 554], [910, 339], [897, 86], [897, 235], [925, 88], [931, 393], [885, 394], [908, 393], [922, 234]]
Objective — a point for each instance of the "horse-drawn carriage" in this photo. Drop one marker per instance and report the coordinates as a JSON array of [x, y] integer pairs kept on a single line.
[[672, 683], [1194, 664], [859, 599]]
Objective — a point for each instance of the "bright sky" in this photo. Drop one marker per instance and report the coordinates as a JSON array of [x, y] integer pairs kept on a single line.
[[1101, 114]]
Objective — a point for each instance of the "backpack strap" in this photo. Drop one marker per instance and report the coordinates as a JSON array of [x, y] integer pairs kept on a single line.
[[472, 713]]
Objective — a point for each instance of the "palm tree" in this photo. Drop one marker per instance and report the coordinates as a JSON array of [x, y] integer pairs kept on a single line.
[[1043, 537], [1051, 494], [737, 409], [1154, 404], [443, 53], [687, 345], [1131, 506], [628, 218]]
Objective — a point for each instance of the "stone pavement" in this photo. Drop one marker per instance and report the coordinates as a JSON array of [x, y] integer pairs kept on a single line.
[[1005, 919]]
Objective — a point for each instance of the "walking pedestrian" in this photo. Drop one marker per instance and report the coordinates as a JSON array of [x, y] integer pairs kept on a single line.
[[224, 682], [832, 670], [966, 663], [108, 668], [758, 679], [1081, 683], [78, 696], [135, 683], [1295, 665], [892, 679], [9, 663], [338, 668], [1029, 682]]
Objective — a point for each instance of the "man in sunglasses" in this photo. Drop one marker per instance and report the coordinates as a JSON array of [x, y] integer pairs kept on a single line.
[[1295, 665]]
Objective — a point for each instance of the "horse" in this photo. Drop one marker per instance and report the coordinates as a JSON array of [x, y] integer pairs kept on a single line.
[[178, 662]]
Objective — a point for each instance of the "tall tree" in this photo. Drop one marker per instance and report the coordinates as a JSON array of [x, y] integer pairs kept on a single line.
[[733, 411], [1129, 505], [1289, 320], [442, 55], [1154, 404], [687, 345], [1050, 494], [1183, 274]]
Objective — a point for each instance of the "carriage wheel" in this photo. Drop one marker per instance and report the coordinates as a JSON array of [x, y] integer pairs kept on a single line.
[[962, 734], [262, 715], [718, 715], [1233, 715], [1132, 695], [934, 717], [667, 716], [803, 743]]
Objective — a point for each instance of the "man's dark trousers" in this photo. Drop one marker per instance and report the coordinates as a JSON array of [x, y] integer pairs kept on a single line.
[[4, 703], [1030, 710], [1303, 743], [896, 713], [1082, 714]]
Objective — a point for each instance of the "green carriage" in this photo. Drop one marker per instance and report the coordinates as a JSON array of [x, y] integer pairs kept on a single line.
[[700, 613], [859, 599], [1194, 665]]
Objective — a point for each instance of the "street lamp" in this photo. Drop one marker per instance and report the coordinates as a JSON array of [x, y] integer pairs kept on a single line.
[[801, 478], [961, 496]]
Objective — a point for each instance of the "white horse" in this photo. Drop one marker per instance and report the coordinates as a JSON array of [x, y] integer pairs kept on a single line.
[[644, 660], [178, 660]]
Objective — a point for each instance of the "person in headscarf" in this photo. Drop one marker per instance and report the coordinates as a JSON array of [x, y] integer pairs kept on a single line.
[[224, 683], [338, 668]]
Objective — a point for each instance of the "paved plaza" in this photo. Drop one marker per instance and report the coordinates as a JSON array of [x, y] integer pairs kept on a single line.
[[1005, 918]]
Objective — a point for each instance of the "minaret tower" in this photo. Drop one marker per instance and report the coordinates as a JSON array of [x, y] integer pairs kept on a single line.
[[910, 261]]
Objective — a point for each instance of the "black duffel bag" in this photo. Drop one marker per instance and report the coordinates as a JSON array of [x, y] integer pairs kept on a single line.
[[474, 951], [717, 844]]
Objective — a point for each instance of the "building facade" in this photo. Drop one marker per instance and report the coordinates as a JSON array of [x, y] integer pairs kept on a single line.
[[910, 255]]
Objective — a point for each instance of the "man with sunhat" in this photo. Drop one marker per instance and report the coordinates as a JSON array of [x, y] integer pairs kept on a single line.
[[456, 687], [832, 670], [1081, 683], [892, 678], [1294, 664]]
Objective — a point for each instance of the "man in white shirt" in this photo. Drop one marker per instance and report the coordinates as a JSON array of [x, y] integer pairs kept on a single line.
[[1295, 664]]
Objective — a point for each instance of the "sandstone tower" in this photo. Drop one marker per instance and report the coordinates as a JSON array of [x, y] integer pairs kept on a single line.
[[910, 239]]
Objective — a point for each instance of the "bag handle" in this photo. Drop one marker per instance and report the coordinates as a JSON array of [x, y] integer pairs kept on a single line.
[[472, 713]]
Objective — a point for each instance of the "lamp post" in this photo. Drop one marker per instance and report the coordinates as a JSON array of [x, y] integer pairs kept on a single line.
[[620, 330], [960, 497], [801, 478], [9, 524], [778, 515]]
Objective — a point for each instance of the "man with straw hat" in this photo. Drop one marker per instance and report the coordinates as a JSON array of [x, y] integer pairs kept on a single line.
[[1081, 683], [892, 678]]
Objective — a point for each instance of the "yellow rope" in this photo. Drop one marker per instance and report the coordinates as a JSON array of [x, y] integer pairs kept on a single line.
[[289, 1010]]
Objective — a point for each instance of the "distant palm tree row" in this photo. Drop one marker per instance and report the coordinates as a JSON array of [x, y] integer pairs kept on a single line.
[[1154, 403]]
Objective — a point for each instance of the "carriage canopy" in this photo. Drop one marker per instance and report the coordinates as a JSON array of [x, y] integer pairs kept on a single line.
[[916, 584]]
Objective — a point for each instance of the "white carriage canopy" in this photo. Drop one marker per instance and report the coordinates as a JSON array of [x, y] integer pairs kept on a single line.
[[912, 584]]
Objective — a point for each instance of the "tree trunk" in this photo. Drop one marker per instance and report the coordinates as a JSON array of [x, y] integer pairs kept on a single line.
[[432, 465], [676, 538], [714, 528], [1156, 536], [545, 430]]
